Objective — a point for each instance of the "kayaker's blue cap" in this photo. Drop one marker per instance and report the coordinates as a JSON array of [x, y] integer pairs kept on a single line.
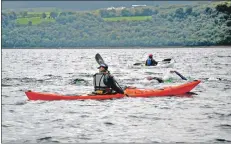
[[103, 65]]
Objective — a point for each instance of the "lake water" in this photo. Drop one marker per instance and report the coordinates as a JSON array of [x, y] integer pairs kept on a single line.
[[204, 117]]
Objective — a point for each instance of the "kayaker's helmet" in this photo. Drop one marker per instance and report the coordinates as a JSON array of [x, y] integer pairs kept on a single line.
[[150, 55], [104, 66]]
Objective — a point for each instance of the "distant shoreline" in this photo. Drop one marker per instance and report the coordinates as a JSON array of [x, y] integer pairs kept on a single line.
[[136, 47]]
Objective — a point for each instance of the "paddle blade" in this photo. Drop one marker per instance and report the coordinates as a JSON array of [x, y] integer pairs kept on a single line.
[[168, 59], [137, 63], [99, 59]]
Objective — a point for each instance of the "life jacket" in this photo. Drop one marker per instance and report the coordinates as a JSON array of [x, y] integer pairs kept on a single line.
[[149, 61], [99, 85]]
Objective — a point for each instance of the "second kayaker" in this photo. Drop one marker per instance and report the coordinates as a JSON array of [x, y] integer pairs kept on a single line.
[[150, 61]]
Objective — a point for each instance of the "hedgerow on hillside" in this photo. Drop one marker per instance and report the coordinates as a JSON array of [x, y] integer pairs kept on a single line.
[[188, 25]]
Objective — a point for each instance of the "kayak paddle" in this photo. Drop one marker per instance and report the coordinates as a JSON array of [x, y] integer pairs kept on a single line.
[[164, 60], [99, 59]]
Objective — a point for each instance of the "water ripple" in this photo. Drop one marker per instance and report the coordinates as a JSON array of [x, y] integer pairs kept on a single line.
[[200, 116]]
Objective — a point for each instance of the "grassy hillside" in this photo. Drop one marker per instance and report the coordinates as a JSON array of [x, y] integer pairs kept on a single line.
[[204, 24], [34, 20], [131, 18]]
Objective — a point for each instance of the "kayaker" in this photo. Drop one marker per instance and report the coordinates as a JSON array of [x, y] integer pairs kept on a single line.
[[104, 82], [150, 61], [168, 77]]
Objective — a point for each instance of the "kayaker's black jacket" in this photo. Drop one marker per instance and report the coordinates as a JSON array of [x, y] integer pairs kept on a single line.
[[106, 83], [153, 62]]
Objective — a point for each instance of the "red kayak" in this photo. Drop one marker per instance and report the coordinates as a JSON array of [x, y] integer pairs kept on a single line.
[[165, 91], [130, 92], [48, 96]]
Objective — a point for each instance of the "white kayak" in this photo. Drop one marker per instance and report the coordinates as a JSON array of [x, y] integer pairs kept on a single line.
[[161, 64]]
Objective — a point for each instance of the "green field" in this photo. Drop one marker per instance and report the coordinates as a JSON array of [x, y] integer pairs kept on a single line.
[[133, 18], [34, 20], [47, 13]]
